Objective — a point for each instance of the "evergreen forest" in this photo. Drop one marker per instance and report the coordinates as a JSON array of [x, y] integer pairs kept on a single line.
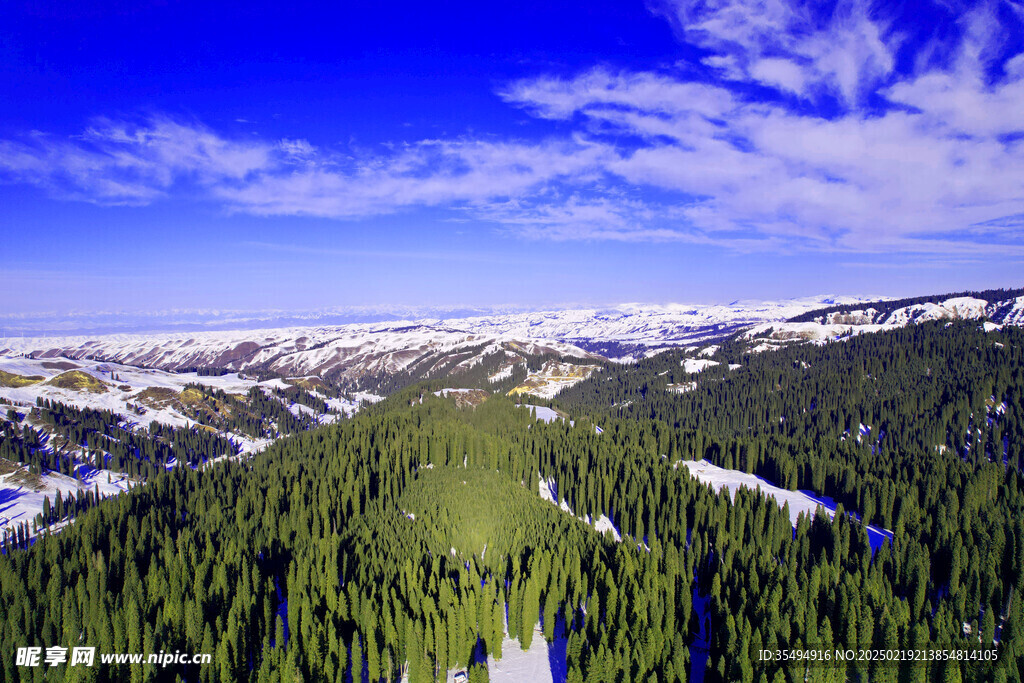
[[409, 540]]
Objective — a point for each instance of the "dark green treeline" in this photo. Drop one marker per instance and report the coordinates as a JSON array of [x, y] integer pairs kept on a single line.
[[347, 527]]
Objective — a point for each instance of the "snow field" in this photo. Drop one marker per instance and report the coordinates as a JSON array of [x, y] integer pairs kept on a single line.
[[693, 365], [20, 503]]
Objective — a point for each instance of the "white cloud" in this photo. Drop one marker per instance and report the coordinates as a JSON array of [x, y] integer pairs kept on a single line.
[[297, 150], [600, 88], [859, 180], [789, 45], [580, 218], [115, 162], [655, 155], [783, 73], [429, 173]]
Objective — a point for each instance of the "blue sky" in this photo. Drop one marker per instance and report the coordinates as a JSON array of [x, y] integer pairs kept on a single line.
[[161, 155]]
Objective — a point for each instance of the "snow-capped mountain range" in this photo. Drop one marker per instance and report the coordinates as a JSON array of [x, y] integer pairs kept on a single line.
[[435, 347], [847, 321], [645, 324], [176, 321], [343, 352], [355, 350]]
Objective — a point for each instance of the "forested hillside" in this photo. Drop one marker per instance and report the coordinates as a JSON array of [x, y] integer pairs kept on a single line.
[[406, 539]]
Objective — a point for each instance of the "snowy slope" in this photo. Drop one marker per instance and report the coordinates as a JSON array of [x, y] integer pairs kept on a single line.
[[22, 495], [804, 502], [643, 324], [516, 666], [344, 352], [123, 388], [695, 365], [126, 391], [542, 413], [850, 322]]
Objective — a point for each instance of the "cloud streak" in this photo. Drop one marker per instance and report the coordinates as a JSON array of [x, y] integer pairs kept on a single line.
[[385, 254], [830, 170], [118, 162], [155, 158], [801, 128]]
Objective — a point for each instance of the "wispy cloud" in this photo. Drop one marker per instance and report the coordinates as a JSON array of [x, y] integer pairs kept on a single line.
[[145, 161], [808, 49], [386, 254], [118, 162], [806, 127], [914, 175], [428, 173]]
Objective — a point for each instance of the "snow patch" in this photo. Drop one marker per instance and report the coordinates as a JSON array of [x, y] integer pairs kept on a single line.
[[503, 374], [516, 666], [799, 501], [603, 524], [19, 503], [542, 413], [695, 365], [545, 490]]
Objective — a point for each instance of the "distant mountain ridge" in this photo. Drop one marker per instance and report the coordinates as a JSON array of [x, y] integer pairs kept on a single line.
[[424, 347], [354, 356], [49, 324], [993, 308], [999, 305], [177, 321], [506, 347]]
